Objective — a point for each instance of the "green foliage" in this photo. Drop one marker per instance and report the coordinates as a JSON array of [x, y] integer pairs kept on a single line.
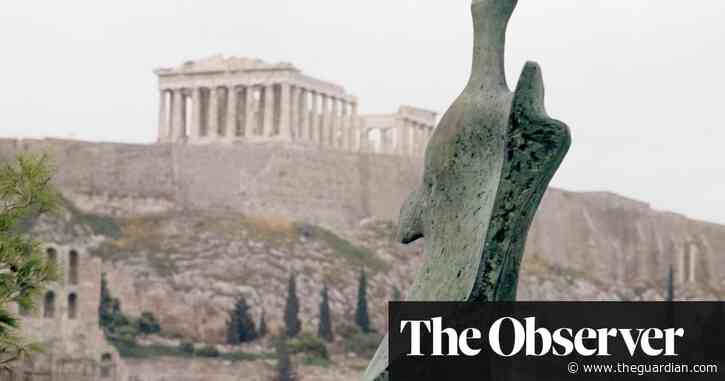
[[324, 328], [293, 325], [240, 326], [316, 361], [148, 324], [362, 344], [120, 329], [362, 318], [187, 347], [397, 296], [308, 344], [207, 351], [285, 369], [25, 193]]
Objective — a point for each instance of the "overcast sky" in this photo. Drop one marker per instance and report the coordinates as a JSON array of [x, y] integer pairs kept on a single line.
[[640, 82]]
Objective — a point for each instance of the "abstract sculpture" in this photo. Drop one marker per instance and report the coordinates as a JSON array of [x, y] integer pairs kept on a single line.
[[487, 167]]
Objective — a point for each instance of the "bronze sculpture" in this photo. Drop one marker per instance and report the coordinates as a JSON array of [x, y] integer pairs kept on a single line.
[[487, 167]]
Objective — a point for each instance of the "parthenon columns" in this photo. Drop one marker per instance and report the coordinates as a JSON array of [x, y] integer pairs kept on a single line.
[[323, 137], [178, 116], [283, 111], [196, 114], [232, 109], [212, 124], [285, 129], [268, 102], [163, 116]]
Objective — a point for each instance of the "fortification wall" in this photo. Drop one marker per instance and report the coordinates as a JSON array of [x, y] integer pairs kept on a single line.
[[293, 181]]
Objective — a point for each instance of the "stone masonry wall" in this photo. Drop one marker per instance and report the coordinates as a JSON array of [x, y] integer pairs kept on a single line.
[[295, 182]]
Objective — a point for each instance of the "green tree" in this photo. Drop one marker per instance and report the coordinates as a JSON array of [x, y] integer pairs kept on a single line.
[[25, 193], [293, 325], [324, 328], [240, 326], [263, 324], [361, 312], [148, 324], [285, 369], [397, 296]]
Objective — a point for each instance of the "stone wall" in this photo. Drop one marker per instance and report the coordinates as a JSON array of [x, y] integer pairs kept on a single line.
[[326, 187]]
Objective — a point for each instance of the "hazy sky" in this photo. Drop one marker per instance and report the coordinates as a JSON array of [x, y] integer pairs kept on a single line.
[[640, 82]]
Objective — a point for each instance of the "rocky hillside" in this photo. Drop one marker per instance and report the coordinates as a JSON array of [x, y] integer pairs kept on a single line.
[[188, 266]]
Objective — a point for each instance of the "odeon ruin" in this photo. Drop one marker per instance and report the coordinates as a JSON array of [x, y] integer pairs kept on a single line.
[[66, 325], [230, 100]]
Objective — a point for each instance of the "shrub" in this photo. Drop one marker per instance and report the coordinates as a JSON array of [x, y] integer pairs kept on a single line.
[[187, 347], [309, 344], [208, 351], [363, 344], [148, 324]]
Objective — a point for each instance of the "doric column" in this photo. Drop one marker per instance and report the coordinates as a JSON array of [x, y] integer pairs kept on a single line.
[[353, 126], [314, 125], [232, 110], [177, 120], [304, 116], [334, 121], [250, 124], [212, 123], [285, 130], [294, 121], [268, 119], [324, 133], [196, 116], [163, 121], [344, 127]]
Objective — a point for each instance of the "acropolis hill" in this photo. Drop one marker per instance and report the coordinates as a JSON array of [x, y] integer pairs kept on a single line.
[[260, 171]]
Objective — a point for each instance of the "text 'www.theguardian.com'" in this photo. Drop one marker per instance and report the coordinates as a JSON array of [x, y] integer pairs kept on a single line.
[[642, 369]]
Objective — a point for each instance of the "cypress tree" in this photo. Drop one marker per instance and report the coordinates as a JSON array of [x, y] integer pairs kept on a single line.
[[263, 325], [397, 296], [324, 329], [240, 326], [293, 325], [105, 308], [285, 370], [361, 313]]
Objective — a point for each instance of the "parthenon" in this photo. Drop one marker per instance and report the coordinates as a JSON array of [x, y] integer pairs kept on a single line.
[[228, 100]]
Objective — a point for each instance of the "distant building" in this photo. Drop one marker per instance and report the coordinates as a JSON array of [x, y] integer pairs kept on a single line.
[[66, 325], [228, 100]]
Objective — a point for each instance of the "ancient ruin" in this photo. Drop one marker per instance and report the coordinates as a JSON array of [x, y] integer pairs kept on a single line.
[[66, 325], [228, 100], [486, 169]]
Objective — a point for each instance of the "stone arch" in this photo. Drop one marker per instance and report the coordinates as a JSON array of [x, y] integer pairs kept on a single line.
[[106, 365], [52, 256], [74, 260], [72, 306], [49, 305]]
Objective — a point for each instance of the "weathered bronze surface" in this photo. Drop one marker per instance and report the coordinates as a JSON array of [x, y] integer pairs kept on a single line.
[[487, 167]]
